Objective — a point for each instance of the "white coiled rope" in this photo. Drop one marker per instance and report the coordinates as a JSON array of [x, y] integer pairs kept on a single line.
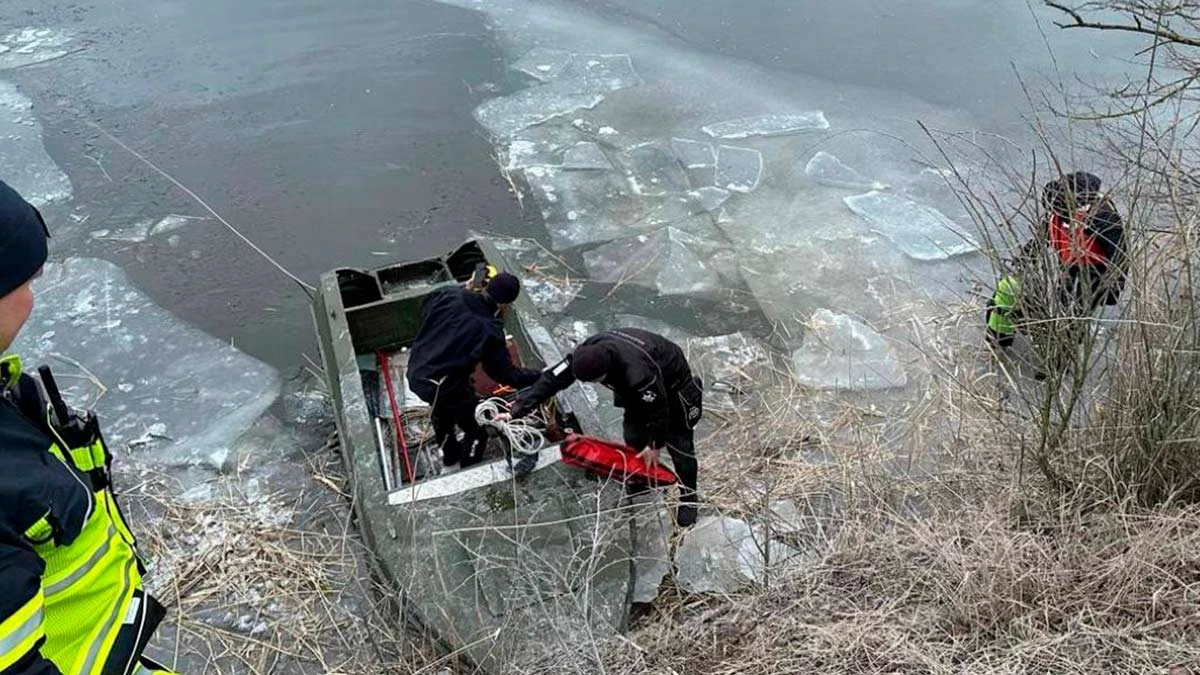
[[523, 435]]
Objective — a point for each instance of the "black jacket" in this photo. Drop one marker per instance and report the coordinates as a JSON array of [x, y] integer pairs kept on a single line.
[[647, 374], [33, 484], [460, 330]]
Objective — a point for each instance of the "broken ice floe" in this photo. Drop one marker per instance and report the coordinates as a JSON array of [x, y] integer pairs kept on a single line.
[[570, 332], [768, 125], [652, 170], [579, 83], [548, 284], [669, 260], [548, 294], [693, 154], [94, 329], [652, 530], [921, 231], [738, 169], [708, 199], [585, 157], [829, 170], [584, 207], [28, 46], [24, 163], [722, 554], [543, 63], [842, 353], [144, 229]]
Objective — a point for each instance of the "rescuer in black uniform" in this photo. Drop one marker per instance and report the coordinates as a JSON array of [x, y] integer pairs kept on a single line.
[[652, 381], [463, 328]]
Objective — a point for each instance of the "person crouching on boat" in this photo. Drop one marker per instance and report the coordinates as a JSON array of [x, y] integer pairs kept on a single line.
[[462, 328], [652, 381]]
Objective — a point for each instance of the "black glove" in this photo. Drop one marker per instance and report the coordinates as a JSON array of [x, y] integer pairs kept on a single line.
[[520, 409]]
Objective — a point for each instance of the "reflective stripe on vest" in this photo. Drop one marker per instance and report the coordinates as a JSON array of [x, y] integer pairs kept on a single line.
[[1071, 241], [20, 632]]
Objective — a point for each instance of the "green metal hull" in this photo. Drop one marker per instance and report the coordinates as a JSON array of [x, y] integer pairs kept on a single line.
[[506, 573]]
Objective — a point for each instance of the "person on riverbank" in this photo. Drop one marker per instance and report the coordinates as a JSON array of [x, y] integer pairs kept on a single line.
[[1086, 237], [71, 596], [652, 381]]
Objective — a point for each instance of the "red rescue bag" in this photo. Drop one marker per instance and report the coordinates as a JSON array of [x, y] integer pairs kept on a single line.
[[613, 461]]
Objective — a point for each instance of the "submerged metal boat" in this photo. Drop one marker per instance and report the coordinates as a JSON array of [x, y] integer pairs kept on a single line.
[[503, 571]]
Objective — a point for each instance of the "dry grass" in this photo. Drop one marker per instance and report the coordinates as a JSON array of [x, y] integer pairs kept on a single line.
[[271, 582]]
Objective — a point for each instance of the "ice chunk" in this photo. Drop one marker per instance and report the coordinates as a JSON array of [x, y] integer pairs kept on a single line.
[[829, 170], [652, 532], [171, 223], [721, 555], [842, 353], [693, 154], [585, 157], [735, 358], [584, 207], [708, 199], [669, 260], [137, 232], [578, 84], [543, 63], [550, 294], [24, 163], [738, 169], [204, 392], [921, 232], [571, 332], [768, 125], [652, 170], [28, 46], [507, 115]]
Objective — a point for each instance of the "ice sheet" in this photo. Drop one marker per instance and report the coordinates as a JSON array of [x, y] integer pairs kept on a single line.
[[708, 199], [829, 170], [197, 393], [549, 284], [694, 154], [28, 46], [738, 169], [670, 261], [543, 63], [722, 554], [578, 83], [840, 352], [585, 157], [768, 125], [24, 163], [921, 231], [586, 207], [652, 170]]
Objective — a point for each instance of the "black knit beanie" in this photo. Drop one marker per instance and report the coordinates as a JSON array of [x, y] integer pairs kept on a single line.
[[590, 362], [504, 288], [23, 237]]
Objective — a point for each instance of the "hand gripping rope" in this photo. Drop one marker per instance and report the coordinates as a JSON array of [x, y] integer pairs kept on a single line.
[[523, 435]]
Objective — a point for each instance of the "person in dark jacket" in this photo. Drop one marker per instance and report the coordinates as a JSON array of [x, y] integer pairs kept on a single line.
[[1085, 233], [652, 381], [71, 596], [463, 328]]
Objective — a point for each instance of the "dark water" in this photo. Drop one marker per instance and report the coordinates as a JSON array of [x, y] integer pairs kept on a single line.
[[330, 133]]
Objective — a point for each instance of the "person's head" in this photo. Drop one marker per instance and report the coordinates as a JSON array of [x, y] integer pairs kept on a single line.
[[1071, 191], [590, 363], [503, 289], [23, 251]]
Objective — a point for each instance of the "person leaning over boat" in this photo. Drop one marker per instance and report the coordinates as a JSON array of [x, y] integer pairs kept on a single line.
[[462, 328], [71, 598], [652, 381]]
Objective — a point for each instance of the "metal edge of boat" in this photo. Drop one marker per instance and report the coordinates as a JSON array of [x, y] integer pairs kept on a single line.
[[501, 572]]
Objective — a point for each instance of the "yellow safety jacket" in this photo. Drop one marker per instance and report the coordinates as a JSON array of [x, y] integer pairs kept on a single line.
[[71, 597]]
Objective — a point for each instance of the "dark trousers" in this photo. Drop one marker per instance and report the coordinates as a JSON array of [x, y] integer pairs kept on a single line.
[[681, 443], [453, 407]]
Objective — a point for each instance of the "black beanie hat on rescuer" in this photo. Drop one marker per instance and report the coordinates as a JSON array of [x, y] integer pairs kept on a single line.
[[504, 288], [23, 237], [590, 362]]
